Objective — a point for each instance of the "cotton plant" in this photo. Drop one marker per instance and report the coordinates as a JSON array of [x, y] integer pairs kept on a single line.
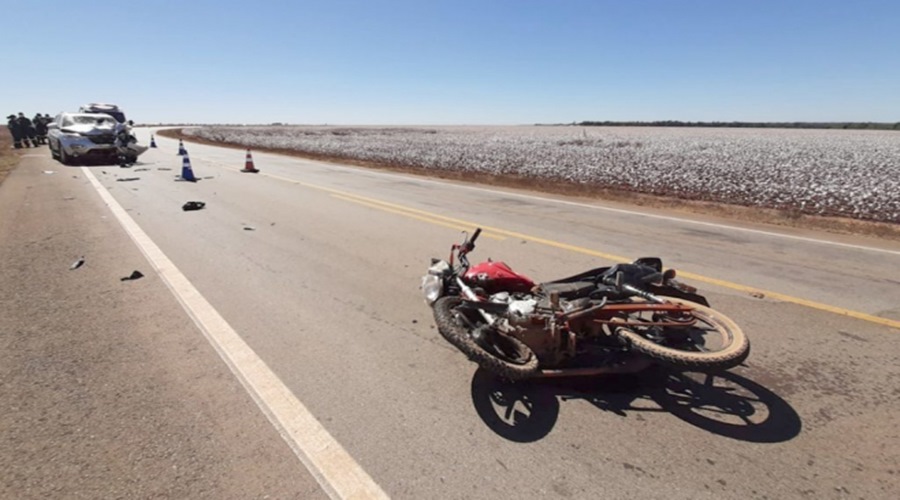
[[848, 173]]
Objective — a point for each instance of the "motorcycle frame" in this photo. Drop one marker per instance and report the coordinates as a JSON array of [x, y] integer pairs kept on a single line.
[[604, 313]]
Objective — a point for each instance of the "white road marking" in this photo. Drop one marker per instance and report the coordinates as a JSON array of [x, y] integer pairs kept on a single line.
[[335, 470]]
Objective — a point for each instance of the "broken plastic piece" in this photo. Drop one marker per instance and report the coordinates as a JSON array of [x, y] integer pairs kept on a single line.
[[78, 263], [134, 276], [193, 205]]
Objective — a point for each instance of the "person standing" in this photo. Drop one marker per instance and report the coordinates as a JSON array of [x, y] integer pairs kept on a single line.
[[13, 125], [40, 128], [27, 130]]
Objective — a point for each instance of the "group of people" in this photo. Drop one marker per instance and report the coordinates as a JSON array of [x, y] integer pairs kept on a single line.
[[28, 132]]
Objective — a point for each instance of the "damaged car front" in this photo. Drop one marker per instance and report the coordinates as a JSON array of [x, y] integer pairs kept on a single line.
[[82, 136]]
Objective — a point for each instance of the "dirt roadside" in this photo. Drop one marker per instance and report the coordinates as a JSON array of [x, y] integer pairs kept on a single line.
[[108, 389], [719, 211], [9, 157]]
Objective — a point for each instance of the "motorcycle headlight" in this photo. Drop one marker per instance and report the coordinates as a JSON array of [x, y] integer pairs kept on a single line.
[[432, 287]]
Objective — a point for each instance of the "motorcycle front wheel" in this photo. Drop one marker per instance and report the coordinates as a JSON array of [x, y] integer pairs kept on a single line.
[[713, 343], [499, 354]]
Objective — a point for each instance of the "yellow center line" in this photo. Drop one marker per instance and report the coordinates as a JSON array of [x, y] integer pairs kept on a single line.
[[417, 217], [498, 233]]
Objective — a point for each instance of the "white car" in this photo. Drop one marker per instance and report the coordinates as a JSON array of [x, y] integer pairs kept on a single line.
[[101, 107], [82, 136]]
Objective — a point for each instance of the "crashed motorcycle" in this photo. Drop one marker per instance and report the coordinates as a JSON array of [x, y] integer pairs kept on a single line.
[[616, 319]]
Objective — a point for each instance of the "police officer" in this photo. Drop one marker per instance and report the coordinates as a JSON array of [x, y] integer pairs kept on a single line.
[[27, 130], [40, 128], [13, 125]]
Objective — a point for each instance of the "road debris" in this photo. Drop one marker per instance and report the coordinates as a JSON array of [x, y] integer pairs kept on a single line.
[[136, 275], [78, 263], [126, 179], [193, 205], [49, 172]]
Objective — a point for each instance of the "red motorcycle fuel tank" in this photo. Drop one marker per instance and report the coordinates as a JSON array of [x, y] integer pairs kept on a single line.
[[496, 277]]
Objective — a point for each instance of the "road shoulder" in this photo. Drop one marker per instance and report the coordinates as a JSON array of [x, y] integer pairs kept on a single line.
[[108, 388]]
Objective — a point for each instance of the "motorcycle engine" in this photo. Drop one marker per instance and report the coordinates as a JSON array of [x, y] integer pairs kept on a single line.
[[527, 321]]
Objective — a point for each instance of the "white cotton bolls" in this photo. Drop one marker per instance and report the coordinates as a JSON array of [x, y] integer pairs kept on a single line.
[[853, 173]]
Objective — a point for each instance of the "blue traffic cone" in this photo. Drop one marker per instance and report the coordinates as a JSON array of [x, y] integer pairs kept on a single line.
[[181, 150], [152, 141], [187, 173]]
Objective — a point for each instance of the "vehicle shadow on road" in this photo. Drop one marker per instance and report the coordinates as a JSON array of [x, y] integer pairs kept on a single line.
[[726, 404]]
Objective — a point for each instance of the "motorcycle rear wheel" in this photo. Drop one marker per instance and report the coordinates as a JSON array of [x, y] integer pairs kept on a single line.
[[734, 348], [458, 329]]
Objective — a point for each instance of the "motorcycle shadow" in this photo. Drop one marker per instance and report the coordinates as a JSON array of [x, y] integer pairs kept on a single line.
[[726, 404]]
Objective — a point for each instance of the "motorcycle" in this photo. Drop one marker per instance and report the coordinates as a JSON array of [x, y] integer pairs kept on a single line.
[[615, 319]]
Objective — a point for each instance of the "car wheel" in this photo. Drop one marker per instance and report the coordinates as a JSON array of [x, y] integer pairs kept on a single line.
[[63, 157], [53, 153]]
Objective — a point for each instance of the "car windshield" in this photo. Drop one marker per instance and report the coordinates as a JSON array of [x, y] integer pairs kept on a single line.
[[90, 120], [118, 115]]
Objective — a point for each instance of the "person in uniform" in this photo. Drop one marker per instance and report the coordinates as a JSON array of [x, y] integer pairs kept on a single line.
[[13, 125], [40, 128], [27, 130]]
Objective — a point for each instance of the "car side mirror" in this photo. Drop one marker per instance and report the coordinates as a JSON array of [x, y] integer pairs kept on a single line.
[[52, 125]]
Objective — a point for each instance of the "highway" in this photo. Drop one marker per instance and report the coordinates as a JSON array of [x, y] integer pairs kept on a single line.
[[301, 284]]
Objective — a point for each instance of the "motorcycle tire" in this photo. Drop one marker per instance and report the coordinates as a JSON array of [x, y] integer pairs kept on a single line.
[[455, 331], [734, 352]]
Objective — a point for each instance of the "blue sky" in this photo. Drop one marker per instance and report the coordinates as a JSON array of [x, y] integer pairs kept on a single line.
[[455, 62]]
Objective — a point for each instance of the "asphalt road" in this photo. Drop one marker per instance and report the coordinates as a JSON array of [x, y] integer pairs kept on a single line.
[[315, 267]]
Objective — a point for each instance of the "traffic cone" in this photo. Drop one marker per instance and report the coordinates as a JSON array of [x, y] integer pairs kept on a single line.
[[187, 173], [248, 164], [152, 141], [181, 150]]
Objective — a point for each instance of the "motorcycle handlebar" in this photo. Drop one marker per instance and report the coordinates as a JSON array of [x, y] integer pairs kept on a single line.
[[474, 237], [464, 248], [469, 244]]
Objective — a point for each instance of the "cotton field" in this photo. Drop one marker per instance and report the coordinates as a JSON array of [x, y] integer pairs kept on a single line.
[[824, 172]]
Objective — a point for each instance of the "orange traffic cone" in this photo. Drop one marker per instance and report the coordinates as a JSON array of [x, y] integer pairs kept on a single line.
[[248, 164], [187, 173]]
